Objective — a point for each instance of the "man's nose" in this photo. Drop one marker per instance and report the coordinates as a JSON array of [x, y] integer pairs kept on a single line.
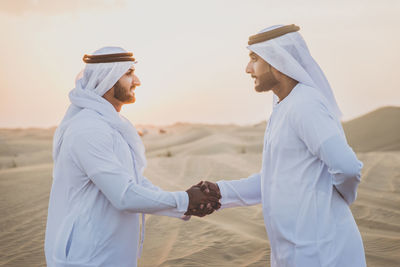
[[249, 68], [136, 81]]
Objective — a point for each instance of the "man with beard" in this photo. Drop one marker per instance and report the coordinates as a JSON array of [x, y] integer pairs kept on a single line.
[[98, 189], [309, 174]]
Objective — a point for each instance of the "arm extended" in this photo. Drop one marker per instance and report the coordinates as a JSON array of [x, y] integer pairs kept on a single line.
[[242, 192], [93, 153]]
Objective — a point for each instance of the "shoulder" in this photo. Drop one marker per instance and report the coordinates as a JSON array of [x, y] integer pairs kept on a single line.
[[308, 103], [306, 97], [88, 125]]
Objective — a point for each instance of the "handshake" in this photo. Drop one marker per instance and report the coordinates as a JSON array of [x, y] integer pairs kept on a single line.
[[203, 199]]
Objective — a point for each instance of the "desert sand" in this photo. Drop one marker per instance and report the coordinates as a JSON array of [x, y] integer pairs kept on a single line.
[[180, 157]]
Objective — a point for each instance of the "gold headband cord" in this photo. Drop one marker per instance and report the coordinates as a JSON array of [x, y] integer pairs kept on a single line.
[[265, 36], [118, 57]]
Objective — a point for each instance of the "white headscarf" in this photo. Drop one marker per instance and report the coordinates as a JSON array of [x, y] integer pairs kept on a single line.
[[289, 54], [91, 84]]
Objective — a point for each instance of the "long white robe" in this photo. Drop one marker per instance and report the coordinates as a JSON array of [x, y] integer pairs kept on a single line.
[[97, 197], [308, 179]]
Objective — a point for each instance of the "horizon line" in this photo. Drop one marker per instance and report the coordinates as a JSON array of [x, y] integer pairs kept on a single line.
[[187, 122]]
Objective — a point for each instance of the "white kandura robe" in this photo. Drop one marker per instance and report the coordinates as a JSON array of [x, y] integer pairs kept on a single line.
[[308, 179], [97, 197]]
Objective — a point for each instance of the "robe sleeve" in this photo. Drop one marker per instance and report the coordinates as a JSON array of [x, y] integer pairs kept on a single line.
[[324, 137], [93, 153], [343, 165], [242, 192], [149, 185]]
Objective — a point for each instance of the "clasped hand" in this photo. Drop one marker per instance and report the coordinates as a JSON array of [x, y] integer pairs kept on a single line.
[[203, 199]]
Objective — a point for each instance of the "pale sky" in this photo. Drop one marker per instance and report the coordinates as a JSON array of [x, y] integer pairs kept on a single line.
[[192, 55]]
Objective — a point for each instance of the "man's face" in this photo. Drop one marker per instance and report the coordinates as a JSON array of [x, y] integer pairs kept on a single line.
[[261, 71], [124, 88]]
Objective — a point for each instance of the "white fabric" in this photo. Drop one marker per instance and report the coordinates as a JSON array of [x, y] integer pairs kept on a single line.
[[96, 196], [309, 177], [289, 54], [98, 183]]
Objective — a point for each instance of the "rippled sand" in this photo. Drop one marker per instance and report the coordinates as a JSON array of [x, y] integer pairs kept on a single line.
[[181, 157]]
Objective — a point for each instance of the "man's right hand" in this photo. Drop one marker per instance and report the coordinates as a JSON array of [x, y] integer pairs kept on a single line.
[[202, 203], [208, 187]]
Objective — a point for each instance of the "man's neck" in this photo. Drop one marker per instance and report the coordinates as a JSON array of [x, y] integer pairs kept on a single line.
[[116, 104], [284, 88]]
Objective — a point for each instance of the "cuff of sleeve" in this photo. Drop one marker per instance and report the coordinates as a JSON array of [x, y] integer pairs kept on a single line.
[[182, 201], [222, 189]]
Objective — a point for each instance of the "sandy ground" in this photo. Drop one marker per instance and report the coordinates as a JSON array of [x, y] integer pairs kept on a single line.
[[181, 157]]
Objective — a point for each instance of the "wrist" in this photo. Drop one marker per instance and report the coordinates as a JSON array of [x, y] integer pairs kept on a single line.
[[190, 198], [182, 200]]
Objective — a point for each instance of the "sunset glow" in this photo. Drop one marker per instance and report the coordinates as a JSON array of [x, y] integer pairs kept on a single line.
[[191, 55]]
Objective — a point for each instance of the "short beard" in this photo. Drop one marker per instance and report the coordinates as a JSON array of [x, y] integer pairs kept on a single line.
[[266, 82], [122, 94]]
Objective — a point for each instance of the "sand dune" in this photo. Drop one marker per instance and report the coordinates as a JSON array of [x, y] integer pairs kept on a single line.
[[181, 157], [375, 131]]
